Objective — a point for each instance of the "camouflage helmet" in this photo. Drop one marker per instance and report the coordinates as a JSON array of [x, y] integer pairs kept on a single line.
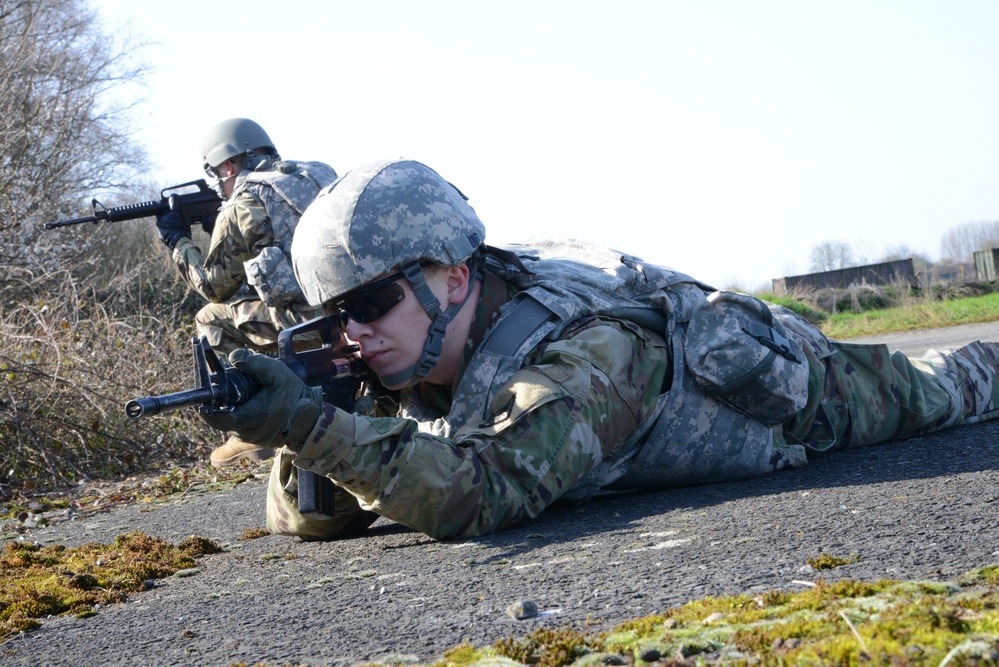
[[231, 138], [376, 218]]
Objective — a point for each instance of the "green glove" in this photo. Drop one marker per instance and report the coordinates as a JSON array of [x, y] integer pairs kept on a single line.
[[283, 412]]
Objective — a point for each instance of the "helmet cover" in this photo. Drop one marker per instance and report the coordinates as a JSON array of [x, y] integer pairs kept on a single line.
[[376, 218]]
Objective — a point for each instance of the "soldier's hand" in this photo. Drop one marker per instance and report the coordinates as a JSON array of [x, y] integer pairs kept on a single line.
[[171, 228], [282, 412]]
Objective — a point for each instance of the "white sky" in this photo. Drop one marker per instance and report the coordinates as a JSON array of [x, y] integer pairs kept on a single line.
[[723, 138]]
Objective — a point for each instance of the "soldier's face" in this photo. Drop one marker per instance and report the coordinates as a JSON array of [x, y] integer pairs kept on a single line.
[[227, 172], [394, 341]]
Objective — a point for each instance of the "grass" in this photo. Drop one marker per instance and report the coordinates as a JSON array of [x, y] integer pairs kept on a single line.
[[917, 315]]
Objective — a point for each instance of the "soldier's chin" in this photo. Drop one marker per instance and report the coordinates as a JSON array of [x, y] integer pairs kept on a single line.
[[387, 381]]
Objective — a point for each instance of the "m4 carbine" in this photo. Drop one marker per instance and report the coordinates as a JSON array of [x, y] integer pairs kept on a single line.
[[221, 387], [197, 203]]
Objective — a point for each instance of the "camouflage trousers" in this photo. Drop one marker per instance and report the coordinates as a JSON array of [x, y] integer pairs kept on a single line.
[[862, 395], [248, 323], [283, 517]]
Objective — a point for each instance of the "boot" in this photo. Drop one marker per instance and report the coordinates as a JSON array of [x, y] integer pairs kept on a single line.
[[234, 451]]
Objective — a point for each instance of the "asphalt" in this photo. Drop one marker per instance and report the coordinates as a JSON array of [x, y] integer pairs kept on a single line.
[[923, 509], [917, 341]]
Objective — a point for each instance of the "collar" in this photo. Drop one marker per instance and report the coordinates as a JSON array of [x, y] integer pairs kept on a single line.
[[496, 292]]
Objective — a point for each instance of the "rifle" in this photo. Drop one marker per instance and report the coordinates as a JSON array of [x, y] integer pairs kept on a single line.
[[198, 207], [221, 387]]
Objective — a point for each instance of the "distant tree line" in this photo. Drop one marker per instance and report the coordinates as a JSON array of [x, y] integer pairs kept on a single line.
[[957, 247], [960, 243]]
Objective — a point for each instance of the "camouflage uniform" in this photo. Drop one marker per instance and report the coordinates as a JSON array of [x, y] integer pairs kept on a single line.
[[262, 212], [574, 420], [633, 376]]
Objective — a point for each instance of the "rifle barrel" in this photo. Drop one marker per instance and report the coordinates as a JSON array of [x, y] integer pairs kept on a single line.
[[74, 221], [153, 405]]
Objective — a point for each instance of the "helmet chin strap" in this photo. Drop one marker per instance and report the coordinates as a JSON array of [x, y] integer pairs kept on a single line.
[[438, 323]]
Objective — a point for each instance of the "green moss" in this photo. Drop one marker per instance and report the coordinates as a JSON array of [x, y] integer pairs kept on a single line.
[[254, 533], [36, 582], [851, 623], [827, 561], [985, 575], [640, 628], [919, 588], [459, 656], [548, 647]]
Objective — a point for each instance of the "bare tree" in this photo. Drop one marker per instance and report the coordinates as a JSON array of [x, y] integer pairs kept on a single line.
[[959, 243], [64, 126], [920, 262], [864, 252], [831, 255]]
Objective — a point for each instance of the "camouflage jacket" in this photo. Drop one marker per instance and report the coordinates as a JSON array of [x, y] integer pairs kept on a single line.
[[262, 212], [568, 410]]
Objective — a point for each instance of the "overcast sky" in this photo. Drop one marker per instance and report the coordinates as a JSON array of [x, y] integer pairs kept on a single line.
[[723, 138]]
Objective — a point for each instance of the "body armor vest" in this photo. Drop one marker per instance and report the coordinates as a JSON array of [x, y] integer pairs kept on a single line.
[[285, 189], [692, 436]]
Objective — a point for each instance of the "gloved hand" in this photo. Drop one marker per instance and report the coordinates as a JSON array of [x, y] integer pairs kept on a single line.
[[283, 412], [171, 228]]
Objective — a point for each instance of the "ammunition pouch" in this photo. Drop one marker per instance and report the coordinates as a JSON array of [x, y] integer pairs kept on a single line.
[[271, 275], [738, 353]]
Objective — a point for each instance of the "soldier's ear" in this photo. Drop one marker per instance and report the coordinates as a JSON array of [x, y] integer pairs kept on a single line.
[[457, 283]]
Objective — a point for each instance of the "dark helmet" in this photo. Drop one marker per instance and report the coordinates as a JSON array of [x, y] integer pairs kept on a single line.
[[231, 138]]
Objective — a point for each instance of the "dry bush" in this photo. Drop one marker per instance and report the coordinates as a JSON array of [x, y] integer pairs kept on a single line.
[[75, 345], [859, 297], [945, 291], [90, 316]]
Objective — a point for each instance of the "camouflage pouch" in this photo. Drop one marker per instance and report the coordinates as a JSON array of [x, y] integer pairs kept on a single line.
[[737, 352], [270, 273], [283, 517]]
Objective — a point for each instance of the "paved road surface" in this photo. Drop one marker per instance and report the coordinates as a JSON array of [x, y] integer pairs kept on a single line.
[[916, 342], [922, 509]]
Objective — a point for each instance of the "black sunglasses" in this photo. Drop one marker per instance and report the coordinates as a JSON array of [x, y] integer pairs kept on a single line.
[[369, 303]]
